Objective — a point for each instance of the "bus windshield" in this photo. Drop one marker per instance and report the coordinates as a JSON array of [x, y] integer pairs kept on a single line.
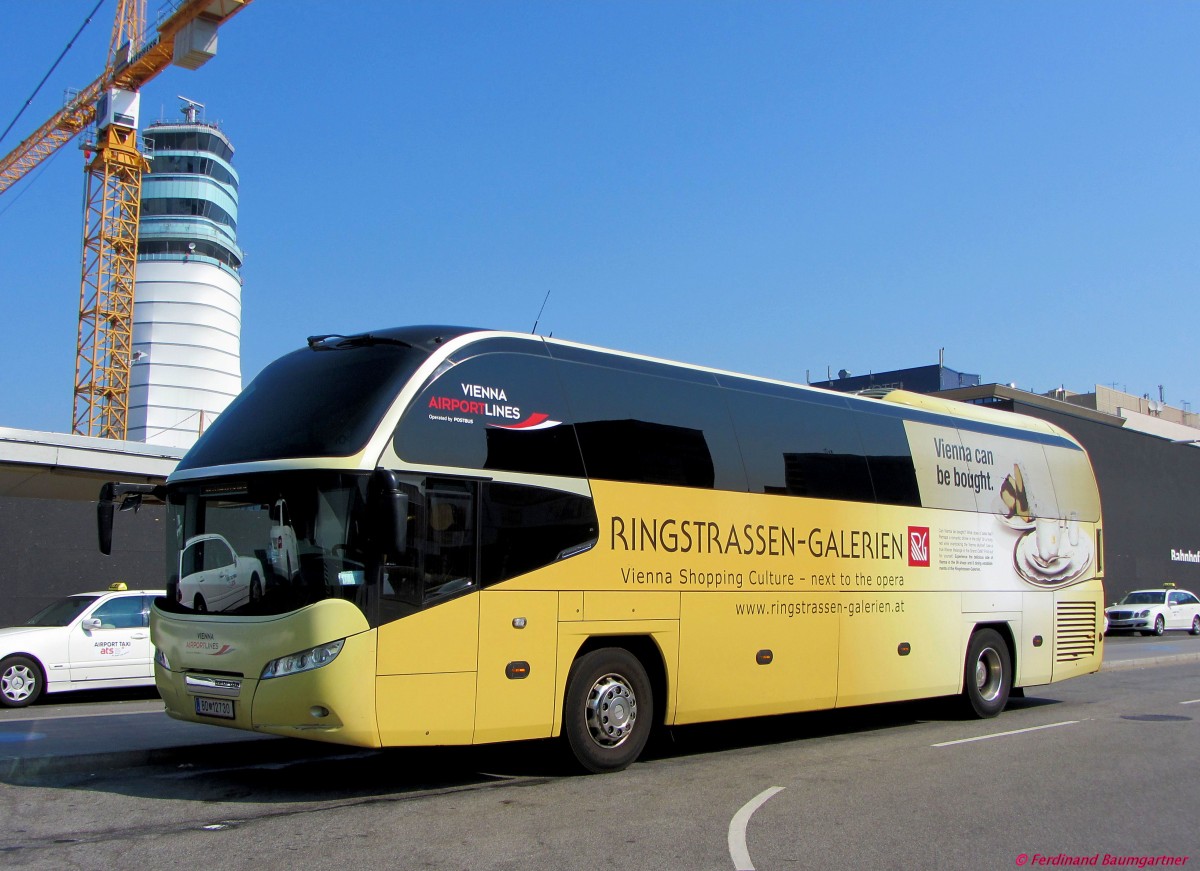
[[266, 544], [310, 403]]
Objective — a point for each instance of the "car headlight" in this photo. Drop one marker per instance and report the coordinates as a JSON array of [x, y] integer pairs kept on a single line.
[[160, 658], [1145, 613], [304, 660]]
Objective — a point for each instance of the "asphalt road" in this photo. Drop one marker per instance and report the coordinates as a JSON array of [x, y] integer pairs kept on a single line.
[[1100, 765]]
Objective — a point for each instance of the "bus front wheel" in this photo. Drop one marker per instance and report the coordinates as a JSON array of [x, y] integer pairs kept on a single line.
[[988, 677], [609, 709]]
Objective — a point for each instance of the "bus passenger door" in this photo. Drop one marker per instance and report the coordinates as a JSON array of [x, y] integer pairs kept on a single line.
[[518, 642], [429, 621]]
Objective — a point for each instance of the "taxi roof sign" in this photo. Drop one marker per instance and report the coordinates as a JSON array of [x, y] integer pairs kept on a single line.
[[118, 587]]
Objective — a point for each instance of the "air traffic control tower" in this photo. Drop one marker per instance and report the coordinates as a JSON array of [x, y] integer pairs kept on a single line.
[[187, 313]]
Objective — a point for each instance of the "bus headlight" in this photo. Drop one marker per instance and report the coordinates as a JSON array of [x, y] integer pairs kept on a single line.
[[304, 660], [160, 658]]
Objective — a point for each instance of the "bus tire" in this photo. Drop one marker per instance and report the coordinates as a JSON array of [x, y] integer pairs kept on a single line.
[[987, 679], [609, 709], [21, 682]]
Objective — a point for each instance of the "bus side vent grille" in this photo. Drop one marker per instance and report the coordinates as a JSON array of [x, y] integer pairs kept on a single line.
[[1074, 631]]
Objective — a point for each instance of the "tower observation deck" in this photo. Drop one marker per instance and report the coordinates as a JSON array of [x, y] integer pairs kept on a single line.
[[187, 313]]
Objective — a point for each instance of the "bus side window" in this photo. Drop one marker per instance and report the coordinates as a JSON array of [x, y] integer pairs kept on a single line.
[[441, 557], [449, 544]]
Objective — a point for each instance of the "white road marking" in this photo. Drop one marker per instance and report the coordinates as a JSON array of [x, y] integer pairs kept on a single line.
[[1005, 734], [1191, 702], [737, 829]]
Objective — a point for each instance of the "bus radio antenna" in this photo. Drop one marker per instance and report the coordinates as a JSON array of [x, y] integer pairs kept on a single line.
[[539, 314]]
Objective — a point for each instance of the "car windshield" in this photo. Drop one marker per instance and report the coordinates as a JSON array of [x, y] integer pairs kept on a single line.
[[1144, 597], [62, 612]]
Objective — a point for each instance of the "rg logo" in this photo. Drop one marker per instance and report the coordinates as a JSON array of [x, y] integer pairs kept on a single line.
[[918, 545]]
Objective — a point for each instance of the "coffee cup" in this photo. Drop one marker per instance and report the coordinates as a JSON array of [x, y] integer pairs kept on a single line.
[[1048, 537]]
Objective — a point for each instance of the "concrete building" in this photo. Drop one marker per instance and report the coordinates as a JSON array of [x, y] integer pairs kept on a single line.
[[49, 483], [919, 379]]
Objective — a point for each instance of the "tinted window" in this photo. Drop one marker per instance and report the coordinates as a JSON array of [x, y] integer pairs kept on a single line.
[[501, 411], [652, 428], [525, 528], [797, 447], [439, 559], [189, 140], [190, 164], [221, 253], [308, 404], [157, 206], [889, 458]]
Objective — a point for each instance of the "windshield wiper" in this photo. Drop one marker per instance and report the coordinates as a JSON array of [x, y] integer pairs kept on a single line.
[[323, 343]]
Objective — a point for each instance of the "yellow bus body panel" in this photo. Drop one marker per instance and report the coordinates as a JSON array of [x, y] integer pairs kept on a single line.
[[720, 672], [516, 628], [232, 648], [915, 653], [426, 709], [334, 703], [433, 641], [426, 675]]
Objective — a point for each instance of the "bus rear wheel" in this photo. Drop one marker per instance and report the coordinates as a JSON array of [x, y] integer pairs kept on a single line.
[[987, 680], [609, 709]]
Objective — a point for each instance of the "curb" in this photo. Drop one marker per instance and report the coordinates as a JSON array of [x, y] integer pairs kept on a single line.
[[1172, 659]]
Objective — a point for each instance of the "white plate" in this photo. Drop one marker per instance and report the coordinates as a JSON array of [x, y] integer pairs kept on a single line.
[[1061, 570]]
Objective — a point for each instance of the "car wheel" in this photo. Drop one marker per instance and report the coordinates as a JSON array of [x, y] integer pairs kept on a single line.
[[987, 679], [21, 682], [199, 604], [1160, 625], [1195, 630], [255, 588], [609, 709]]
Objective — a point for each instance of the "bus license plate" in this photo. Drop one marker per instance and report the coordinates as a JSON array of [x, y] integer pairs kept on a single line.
[[222, 708]]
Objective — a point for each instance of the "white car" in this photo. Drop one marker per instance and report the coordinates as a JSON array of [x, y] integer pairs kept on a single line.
[[88, 641], [1155, 611], [214, 577]]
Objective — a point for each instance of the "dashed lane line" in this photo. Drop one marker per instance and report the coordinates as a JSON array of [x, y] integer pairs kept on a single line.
[[1005, 734]]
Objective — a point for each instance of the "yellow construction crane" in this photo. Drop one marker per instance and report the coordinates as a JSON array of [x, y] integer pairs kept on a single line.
[[186, 37]]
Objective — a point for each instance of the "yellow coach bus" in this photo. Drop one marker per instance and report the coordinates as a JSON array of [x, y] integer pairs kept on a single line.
[[441, 536]]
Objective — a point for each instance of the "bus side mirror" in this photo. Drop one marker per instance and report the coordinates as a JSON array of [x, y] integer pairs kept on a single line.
[[104, 518], [131, 499], [389, 513], [394, 516]]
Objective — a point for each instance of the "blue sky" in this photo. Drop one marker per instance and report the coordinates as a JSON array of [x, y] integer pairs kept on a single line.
[[777, 188]]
